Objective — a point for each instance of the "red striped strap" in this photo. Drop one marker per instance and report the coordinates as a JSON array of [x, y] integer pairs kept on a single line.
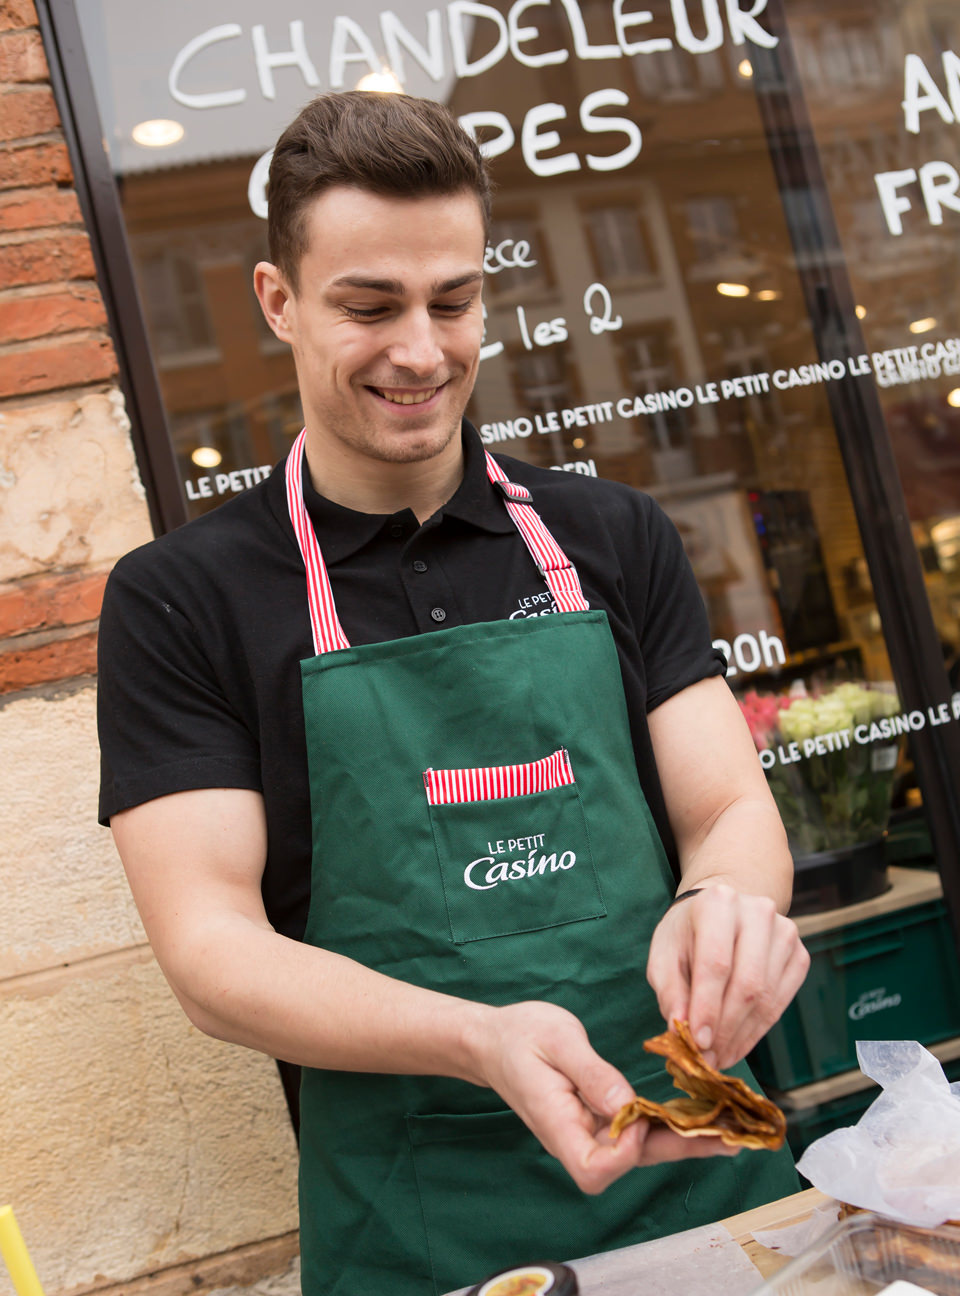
[[450, 786], [327, 631], [552, 563]]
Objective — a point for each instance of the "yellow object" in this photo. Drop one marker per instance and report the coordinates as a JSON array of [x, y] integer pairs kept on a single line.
[[16, 1256]]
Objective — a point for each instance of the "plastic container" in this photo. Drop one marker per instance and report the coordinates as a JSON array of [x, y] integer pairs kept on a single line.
[[832, 879], [866, 1253], [891, 977]]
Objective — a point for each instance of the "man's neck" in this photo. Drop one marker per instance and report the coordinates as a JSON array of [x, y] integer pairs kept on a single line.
[[375, 486]]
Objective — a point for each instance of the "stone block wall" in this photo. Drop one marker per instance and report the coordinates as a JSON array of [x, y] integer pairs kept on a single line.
[[136, 1153]]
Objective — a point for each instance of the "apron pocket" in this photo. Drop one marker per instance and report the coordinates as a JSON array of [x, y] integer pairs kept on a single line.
[[513, 848], [490, 1196]]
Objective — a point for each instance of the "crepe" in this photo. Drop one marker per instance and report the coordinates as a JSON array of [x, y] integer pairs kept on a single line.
[[718, 1105]]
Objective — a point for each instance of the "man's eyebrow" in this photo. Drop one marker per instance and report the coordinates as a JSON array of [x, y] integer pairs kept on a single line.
[[396, 289]]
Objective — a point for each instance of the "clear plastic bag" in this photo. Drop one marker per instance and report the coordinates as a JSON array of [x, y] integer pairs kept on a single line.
[[902, 1159]]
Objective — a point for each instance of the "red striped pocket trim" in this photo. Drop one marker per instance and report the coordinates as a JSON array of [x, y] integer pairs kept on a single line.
[[492, 782]]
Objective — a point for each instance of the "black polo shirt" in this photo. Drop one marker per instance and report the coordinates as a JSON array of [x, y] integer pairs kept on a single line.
[[203, 630]]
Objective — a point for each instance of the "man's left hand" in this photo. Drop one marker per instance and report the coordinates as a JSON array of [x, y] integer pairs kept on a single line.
[[728, 963]]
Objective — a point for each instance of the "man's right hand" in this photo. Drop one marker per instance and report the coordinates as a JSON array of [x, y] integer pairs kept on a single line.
[[538, 1058]]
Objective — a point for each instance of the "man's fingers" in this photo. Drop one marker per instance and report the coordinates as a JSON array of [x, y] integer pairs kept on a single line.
[[581, 1142], [602, 1087], [788, 981], [712, 954], [756, 960], [663, 1144]]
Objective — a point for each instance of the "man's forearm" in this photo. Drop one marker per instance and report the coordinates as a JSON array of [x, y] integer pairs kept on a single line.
[[746, 848], [244, 983]]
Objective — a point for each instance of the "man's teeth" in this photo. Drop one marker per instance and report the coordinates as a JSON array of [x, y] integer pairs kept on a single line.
[[408, 398]]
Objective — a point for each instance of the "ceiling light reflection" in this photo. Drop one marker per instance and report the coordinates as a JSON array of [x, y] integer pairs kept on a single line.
[[733, 290], [160, 132]]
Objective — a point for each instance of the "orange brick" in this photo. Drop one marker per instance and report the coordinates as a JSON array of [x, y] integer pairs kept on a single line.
[[28, 111], [22, 58], [62, 659], [17, 13], [71, 363], [36, 208], [50, 601], [24, 165], [41, 315], [49, 259]]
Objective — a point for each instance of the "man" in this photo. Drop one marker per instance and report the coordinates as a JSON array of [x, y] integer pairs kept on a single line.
[[379, 827]]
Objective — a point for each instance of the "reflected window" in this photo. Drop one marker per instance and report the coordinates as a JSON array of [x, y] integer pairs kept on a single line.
[[542, 379], [617, 242], [174, 301], [713, 228], [675, 75]]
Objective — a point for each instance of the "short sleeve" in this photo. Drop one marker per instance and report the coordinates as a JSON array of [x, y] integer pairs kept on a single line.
[[164, 721], [675, 638]]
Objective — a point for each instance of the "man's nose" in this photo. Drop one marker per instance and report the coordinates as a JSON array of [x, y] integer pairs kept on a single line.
[[415, 344]]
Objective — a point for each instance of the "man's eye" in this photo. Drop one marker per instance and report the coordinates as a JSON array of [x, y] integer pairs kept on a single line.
[[454, 308], [367, 312]]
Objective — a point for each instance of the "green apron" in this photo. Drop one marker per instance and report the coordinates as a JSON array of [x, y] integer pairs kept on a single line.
[[479, 829]]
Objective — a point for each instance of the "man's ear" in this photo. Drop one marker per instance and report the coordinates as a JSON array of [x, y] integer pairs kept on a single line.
[[275, 298]]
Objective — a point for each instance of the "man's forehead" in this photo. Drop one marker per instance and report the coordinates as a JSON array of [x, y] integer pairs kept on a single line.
[[362, 239]]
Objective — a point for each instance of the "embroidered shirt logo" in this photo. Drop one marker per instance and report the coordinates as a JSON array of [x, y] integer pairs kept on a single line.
[[539, 604]]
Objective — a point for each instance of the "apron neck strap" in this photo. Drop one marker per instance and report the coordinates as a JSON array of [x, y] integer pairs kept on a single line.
[[327, 631], [552, 563]]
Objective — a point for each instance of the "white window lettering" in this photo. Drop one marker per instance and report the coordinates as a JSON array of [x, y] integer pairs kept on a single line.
[[214, 98], [396, 38], [296, 56], [456, 12], [345, 29]]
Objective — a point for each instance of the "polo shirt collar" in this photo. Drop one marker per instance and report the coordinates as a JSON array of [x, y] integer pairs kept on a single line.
[[342, 531]]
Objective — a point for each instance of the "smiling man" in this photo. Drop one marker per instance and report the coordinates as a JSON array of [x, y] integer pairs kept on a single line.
[[381, 827]]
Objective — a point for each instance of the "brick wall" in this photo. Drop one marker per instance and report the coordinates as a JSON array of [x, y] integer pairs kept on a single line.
[[126, 1166]]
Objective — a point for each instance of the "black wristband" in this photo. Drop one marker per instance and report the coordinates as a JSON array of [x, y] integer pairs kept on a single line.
[[685, 895]]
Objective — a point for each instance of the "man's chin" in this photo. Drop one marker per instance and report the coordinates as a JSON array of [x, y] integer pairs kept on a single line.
[[413, 446]]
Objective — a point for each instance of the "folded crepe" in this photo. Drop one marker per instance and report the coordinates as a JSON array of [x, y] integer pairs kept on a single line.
[[718, 1104]]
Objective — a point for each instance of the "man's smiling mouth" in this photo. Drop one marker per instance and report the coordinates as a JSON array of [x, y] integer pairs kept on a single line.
[[406, 397]]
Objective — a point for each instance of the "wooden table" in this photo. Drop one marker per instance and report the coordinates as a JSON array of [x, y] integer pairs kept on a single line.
[[777, 1214]]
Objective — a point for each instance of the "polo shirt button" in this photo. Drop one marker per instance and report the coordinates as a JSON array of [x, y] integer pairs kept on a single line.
[[419, 565], [396, 530], [438, 614]]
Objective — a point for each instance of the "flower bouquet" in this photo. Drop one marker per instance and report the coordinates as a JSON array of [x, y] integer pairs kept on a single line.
[[830, 760]]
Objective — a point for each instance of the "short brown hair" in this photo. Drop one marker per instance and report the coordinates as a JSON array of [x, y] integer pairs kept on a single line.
[[389, 144]]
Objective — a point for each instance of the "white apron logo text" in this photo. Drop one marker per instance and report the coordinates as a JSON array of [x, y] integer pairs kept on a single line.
[[872, 1001], [498, 871]]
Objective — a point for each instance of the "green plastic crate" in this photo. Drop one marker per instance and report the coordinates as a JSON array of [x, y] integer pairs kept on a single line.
[[891, 977]]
